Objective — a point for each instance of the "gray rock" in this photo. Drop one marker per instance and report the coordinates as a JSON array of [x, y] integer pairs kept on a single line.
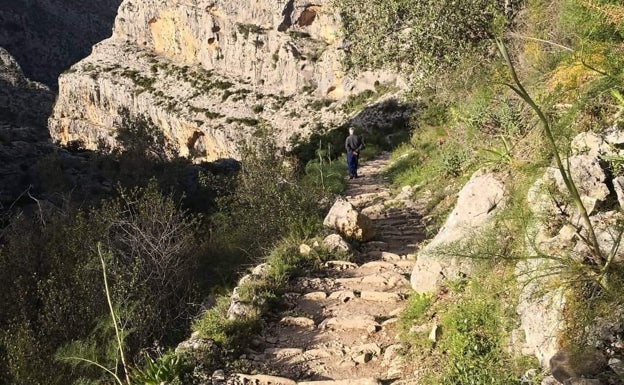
[[315, 296], [434, 333], [340, 265], [304, 249], [618, 186], [617, 365], [302, 322], [574, 368], [346, 220], [218, 375], [478, 202], [335, 242], [363, 358], [350, 323], [342, 295], [188, 70], [550, 380], [262, 270], [283, 352], [589, 143], [380, 296], [371, 348]]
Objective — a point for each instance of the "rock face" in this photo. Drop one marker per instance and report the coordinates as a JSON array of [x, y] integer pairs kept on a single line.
[[556, 236], [211, 73], [47, 37], [22, 102], [478, 202], [24, 106]]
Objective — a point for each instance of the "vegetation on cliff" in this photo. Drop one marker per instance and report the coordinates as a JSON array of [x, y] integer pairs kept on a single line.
[[568, 55]]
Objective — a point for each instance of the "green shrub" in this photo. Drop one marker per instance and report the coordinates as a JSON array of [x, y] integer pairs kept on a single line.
[[418, 35], [473, 342], [167, 368], [56, 282], [267, 202]]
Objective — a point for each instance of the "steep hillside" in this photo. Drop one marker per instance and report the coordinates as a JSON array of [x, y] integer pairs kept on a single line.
[[212, 74], [47, 37]]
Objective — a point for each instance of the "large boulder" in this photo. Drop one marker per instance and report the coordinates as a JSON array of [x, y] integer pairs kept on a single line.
[[478, 202], [346, 220]]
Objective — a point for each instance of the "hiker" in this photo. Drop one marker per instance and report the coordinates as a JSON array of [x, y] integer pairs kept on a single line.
[[354, 145]]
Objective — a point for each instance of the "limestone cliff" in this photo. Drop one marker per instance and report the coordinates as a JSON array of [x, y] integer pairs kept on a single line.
[[31, 166], [47, 37], [212, 73], [22, 102]]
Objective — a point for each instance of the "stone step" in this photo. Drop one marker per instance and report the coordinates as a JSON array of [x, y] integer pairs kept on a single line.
[[283, 352], [380, 296], [387, 280], [378, 266], [384, 255], [375, 246], [347, 295], [353, 381], [350, 323], [261, 379]]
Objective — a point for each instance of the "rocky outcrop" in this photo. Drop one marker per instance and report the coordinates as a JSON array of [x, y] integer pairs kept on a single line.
[[477, 204], [47, 37], [556, 242], [211, 74], [24, 140], [23, 102]]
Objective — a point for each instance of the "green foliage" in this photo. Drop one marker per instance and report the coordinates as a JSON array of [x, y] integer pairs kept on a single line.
[[473, 324], [165, 369], [415, 309], [357, 102], [246, 121], [474, 345], [261, 293], [246, 29], [420, 35], [266, 204], [231, 334], [56, 283], [325, 174], [139, 136], [596, 20]]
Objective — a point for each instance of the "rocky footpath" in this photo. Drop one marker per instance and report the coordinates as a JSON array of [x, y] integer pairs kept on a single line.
[[214, 73], [340, 324]]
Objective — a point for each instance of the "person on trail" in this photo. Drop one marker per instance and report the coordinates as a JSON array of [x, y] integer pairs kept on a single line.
[[354, 145]]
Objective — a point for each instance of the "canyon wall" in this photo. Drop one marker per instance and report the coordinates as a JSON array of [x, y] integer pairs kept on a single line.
[[47, 37], [212, 74]]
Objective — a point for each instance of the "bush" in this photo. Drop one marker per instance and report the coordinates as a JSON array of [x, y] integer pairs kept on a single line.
[[52, 271], [267, 202], [421, 35]]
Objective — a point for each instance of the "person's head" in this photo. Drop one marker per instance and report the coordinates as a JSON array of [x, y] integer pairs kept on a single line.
[[351, 130]]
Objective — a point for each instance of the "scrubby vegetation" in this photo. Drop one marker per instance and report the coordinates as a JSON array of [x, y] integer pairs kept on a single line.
[[172, 232], [567, 56]]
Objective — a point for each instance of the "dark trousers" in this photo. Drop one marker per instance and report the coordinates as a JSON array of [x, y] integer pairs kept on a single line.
[[352, 163]]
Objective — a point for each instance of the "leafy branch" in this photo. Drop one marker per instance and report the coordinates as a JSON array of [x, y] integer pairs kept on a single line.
[[591, 240]]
